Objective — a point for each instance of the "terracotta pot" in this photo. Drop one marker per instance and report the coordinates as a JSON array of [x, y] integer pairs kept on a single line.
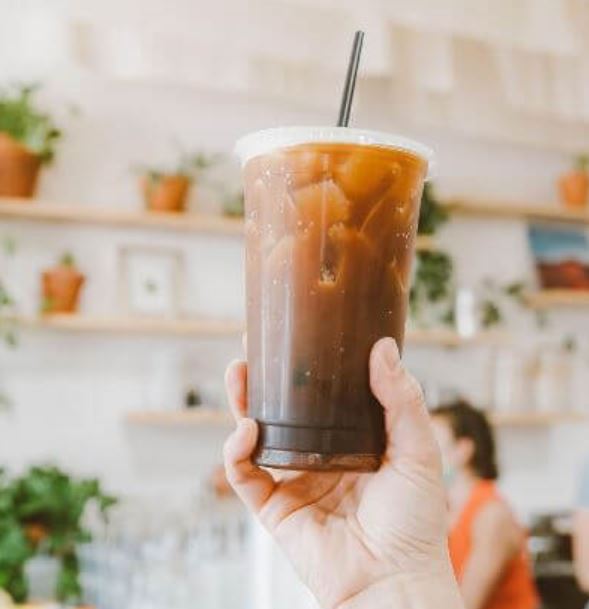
[[19, 169], [167, 193], [61, 289], [36, 532], [574, 189]]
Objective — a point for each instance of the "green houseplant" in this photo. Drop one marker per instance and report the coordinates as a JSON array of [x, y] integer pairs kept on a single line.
[[28, 137], [41, 513], [431, 299], [166, 190], [431, 214]]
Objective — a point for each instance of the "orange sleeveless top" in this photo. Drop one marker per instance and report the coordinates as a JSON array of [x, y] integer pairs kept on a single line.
[[515, 589]]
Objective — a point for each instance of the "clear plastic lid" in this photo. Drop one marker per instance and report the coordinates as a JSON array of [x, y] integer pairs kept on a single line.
[[267, 140]]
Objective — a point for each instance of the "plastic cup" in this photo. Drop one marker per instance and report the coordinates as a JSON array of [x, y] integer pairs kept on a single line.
[[331, 220]]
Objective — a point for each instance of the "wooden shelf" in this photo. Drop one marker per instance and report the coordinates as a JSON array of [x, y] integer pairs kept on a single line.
[[505, 209], [203, 416], [546, 299], [133, 325], [199, 416], [450, 338], [218, 327], [40, 211], [536, 419], [425, 243]]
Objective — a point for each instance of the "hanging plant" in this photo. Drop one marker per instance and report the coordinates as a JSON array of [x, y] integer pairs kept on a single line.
[[431, 299], [431, 215]]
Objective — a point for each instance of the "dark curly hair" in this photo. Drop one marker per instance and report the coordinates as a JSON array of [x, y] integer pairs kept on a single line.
[[468, 422]]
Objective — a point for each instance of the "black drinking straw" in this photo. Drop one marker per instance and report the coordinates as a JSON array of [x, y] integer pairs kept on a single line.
[[350, 84]]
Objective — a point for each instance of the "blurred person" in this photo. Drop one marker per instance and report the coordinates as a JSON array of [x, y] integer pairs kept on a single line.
[[581, 534], [487, 545], [358, 541]]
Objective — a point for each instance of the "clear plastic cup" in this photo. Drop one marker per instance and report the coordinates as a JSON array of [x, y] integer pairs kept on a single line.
[[331, 219]]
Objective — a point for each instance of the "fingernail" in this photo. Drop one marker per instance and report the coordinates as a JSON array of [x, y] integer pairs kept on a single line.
[[389, 353]]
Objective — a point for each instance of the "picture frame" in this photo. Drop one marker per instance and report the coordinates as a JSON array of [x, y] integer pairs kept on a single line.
[[150, 281], [561, 256]]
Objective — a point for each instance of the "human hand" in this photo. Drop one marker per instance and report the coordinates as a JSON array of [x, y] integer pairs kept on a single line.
[[357, 540]]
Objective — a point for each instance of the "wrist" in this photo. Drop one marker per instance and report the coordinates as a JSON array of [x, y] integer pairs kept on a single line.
[[431, 590]]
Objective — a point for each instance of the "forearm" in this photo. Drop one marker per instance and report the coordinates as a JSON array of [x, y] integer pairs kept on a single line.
[[410, 592]]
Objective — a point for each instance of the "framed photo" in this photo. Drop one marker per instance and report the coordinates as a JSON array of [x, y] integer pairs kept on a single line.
[[150, 281], [561, 254]]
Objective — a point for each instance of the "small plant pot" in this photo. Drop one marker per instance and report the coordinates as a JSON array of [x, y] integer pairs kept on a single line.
[[61, 289], [36, 532], [19, 169], [574, 189], [167, 193]]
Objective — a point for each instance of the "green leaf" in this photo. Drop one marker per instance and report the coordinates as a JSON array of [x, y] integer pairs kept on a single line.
[[25, 123], [431, 215], [490, 314], [67, 259], [68, 588], [582, 162]]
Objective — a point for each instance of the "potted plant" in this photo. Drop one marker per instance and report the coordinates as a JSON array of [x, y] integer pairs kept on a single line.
[[27, 141], [167, 190], [61, 286], [574, 185], [41, 515]]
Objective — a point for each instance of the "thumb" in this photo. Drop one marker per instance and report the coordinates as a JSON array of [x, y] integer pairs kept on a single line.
[[407, 421]]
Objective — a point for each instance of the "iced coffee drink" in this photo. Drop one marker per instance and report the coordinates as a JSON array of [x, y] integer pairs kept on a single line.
[[331, 217]]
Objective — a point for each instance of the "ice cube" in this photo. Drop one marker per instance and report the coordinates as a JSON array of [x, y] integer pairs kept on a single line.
[[321, 204], [362, 177]]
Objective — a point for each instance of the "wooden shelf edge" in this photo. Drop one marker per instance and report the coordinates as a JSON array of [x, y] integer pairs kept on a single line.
[[33, 210], [203, 416], [133, 325], [450, 338], [511, 209], [439, 337], [426, 243], [199, 416], [544, 299]]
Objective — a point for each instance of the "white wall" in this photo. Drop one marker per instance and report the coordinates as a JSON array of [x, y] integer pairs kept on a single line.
[[83, 387], [70, 393]]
